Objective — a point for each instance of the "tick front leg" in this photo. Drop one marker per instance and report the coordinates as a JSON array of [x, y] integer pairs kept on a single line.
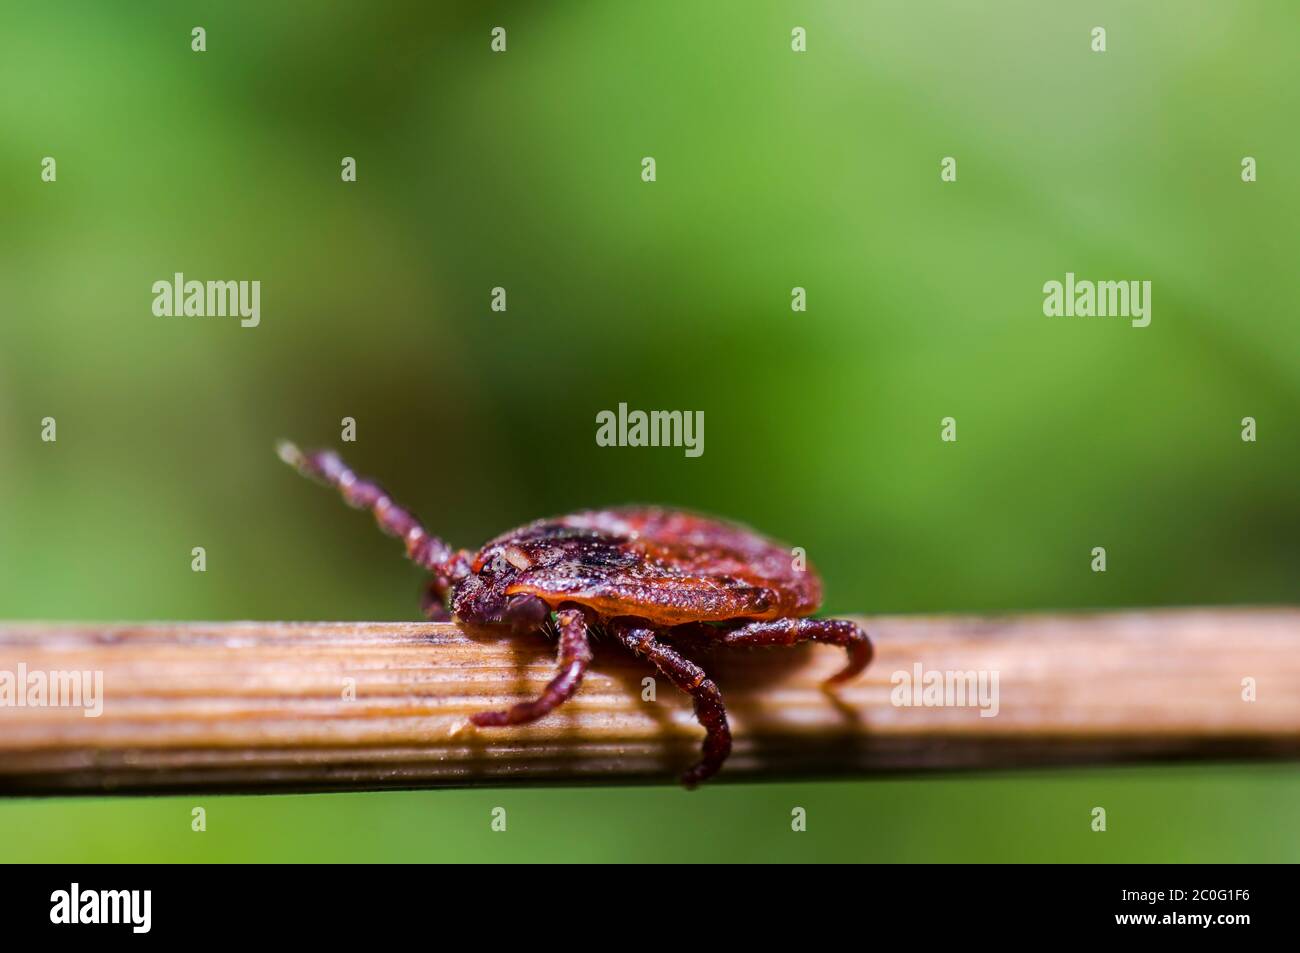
[[431, 603], [692, 680], [427, 551], [841, 632], [574, 655]]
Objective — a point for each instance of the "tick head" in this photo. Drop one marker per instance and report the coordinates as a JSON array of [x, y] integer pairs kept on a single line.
[[484, 597]]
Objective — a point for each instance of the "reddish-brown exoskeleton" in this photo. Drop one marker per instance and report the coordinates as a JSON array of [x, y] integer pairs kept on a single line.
[[656, 579]]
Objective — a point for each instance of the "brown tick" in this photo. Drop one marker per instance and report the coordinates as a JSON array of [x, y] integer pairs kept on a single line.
[[656, 579]]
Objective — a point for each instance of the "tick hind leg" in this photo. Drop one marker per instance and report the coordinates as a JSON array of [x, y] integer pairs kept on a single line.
[[841, 632], [692, 680], [574, 655]]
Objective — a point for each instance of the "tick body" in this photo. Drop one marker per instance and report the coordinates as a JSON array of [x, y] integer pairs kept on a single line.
[[659, 581]]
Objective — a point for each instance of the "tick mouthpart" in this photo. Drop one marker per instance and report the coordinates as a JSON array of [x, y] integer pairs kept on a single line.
[[525, 611]]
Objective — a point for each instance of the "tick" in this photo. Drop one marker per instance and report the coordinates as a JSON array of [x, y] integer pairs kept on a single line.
[[658, 580]]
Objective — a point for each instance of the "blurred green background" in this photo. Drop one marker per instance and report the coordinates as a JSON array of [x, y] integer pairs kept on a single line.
[[775, 170]]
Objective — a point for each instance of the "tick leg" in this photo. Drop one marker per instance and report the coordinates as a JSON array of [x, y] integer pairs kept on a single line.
[[840, 632], [574, 656], [426, 551], [691, 679], [431, 603]]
